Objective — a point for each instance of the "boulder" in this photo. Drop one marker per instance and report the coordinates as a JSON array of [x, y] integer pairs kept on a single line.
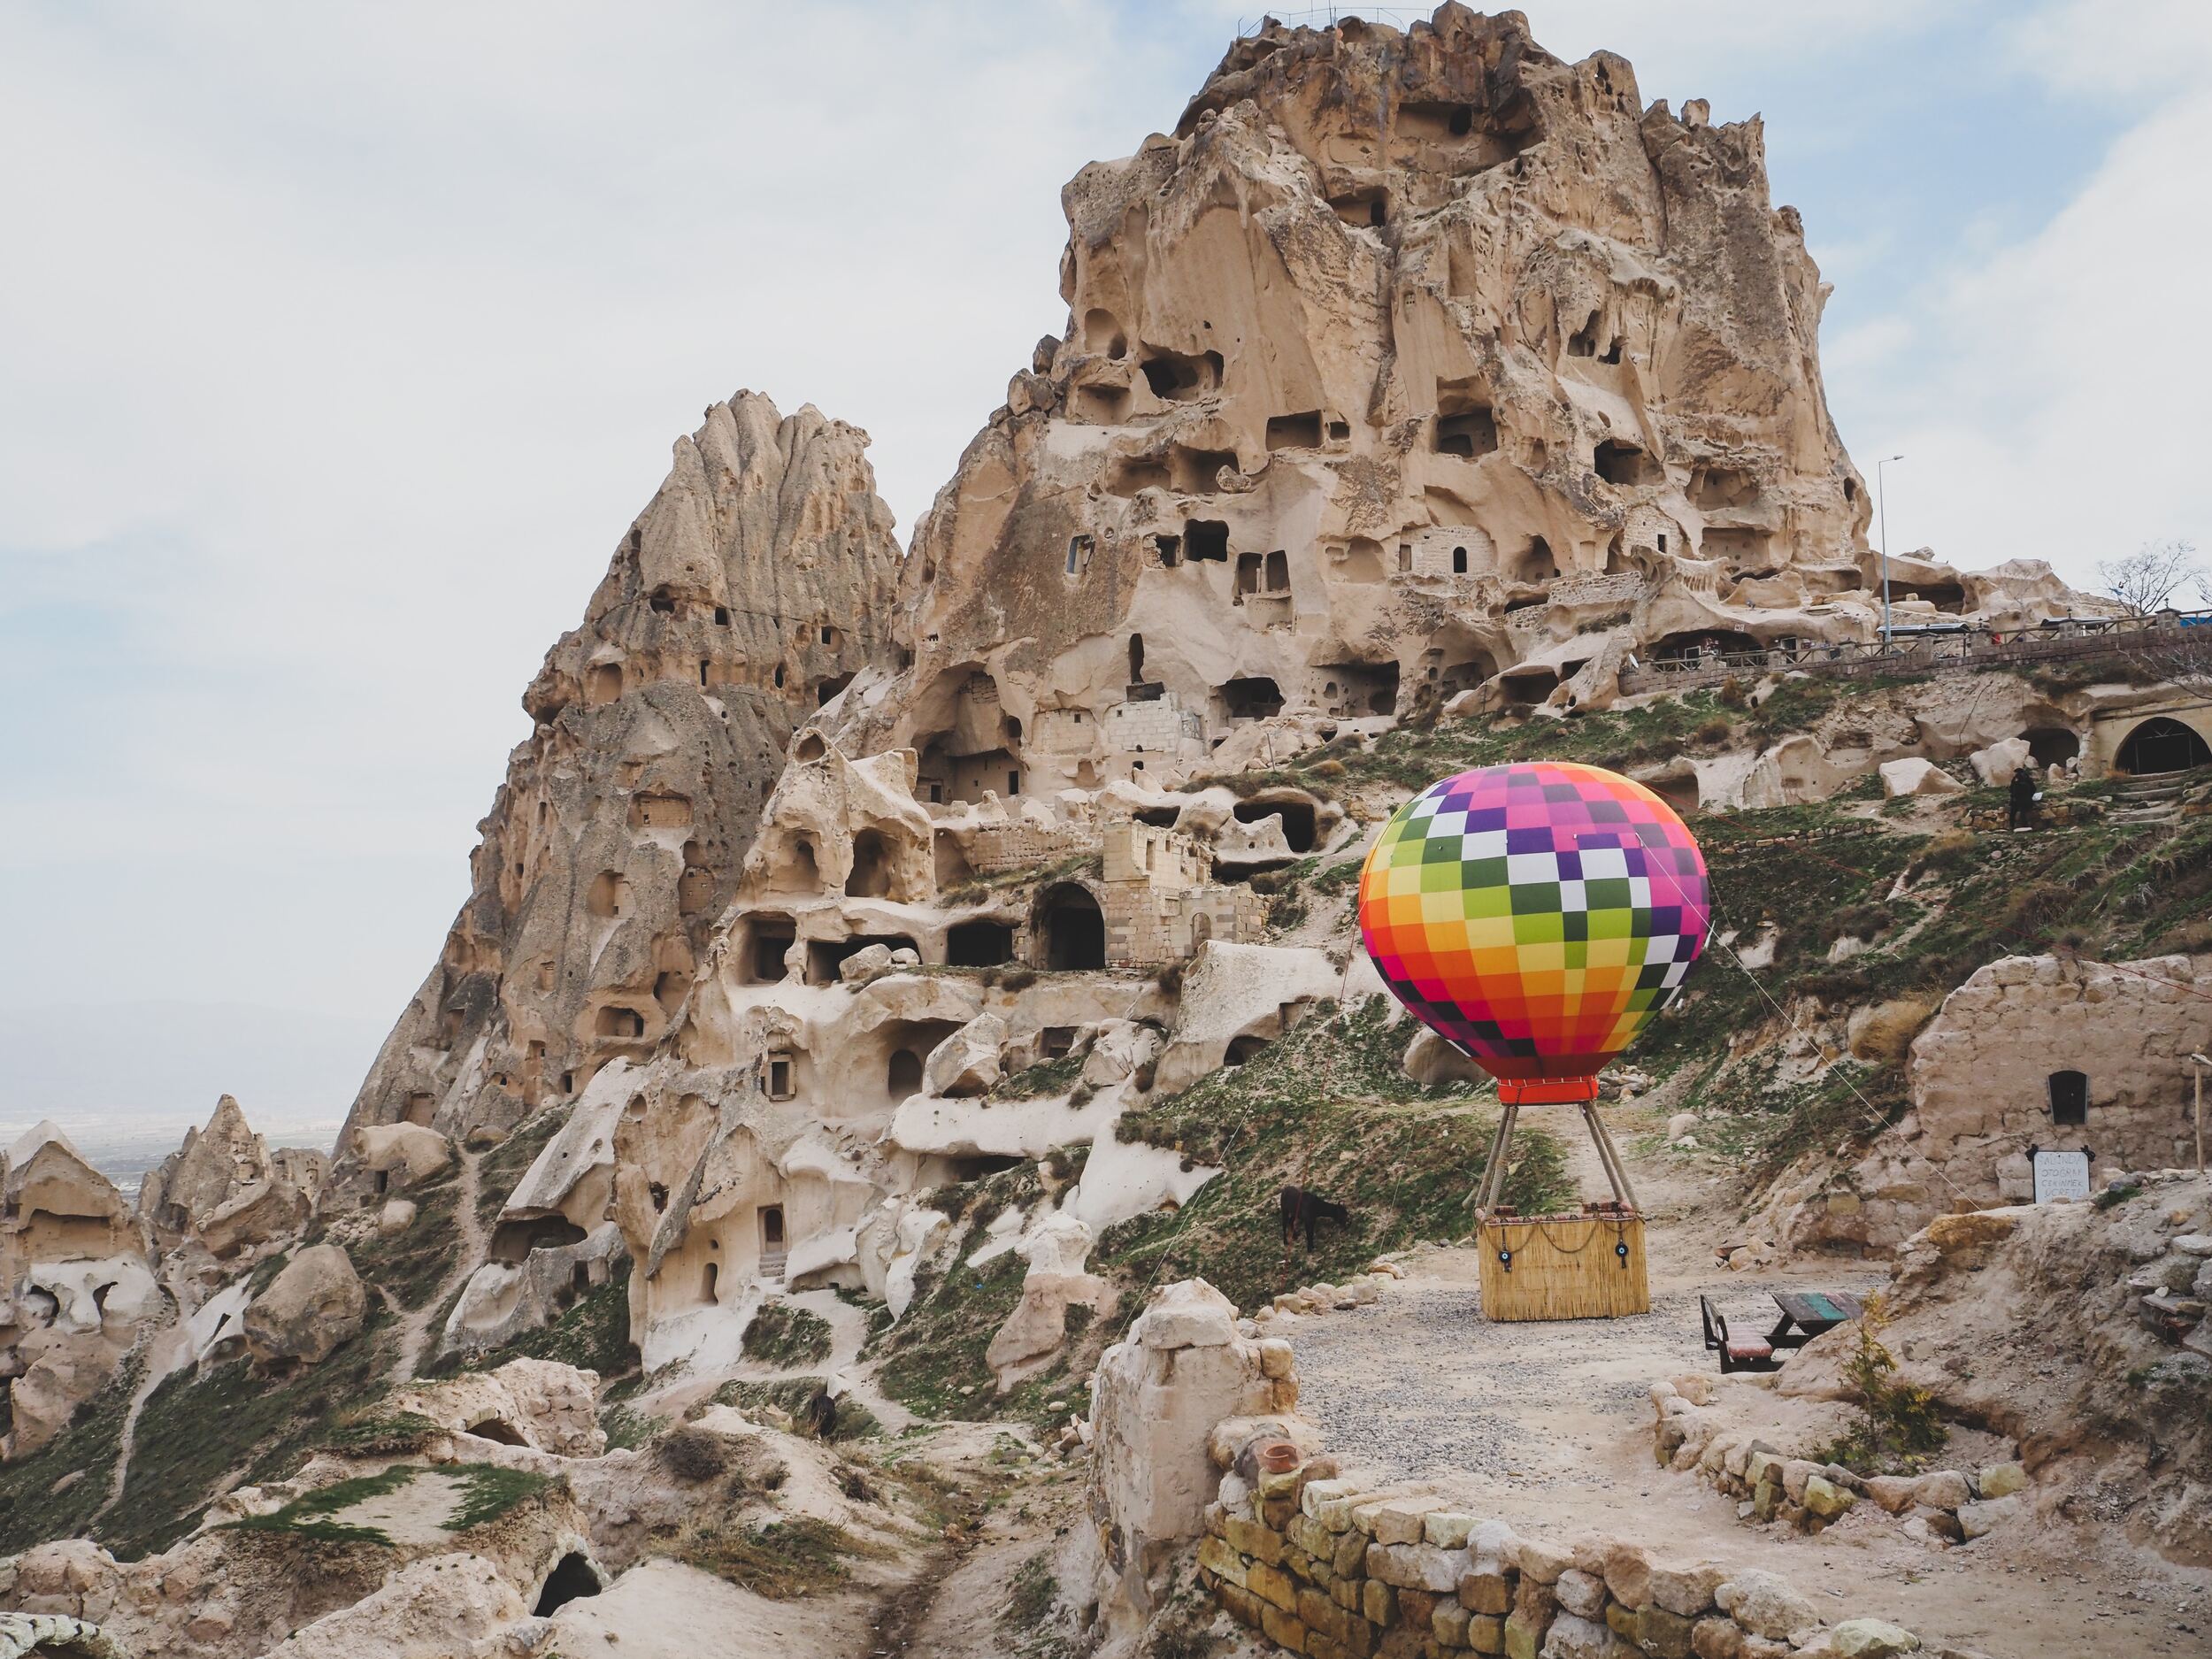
[[1913, 776], [310, 1309], [1995, 765], [865, 964], [1765, 1604], [967, 1062], [1430, 1061], [1943, 1489], [1978, 1519], [1870, 1638], [412, 1152], [2001, 1481]]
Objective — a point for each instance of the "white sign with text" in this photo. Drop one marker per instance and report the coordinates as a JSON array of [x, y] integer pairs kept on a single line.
[[2061, 1175]]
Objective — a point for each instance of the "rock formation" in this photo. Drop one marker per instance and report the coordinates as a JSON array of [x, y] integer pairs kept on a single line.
[[748, 594], [75, 1284], [2047, 1051]]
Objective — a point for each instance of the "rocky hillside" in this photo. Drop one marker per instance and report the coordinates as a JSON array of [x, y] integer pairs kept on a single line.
[[881, 978]]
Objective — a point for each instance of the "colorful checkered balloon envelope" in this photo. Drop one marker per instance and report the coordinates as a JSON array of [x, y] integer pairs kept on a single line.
[[1535, 915]]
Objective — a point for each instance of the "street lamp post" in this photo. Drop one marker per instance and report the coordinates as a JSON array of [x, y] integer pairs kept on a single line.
[[1881, 499]]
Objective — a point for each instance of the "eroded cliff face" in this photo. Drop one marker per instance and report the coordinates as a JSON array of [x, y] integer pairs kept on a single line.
[[750, 591], [1418, 371], [1412, 364]]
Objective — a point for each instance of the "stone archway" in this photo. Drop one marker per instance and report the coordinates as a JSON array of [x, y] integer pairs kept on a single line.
[[2161, 744]]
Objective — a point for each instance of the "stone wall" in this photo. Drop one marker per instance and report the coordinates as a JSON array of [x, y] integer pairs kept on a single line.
[[1319, 1567], [1944, 1505], [1980, 1080], [997, 849]]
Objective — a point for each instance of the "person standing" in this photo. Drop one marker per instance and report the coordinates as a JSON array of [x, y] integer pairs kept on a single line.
[[2021, 809]]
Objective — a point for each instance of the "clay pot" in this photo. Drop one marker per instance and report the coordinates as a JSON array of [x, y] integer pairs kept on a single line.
[[1277, 1457]]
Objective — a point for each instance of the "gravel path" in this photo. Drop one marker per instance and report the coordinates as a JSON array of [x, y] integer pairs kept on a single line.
[[1422, 1380]]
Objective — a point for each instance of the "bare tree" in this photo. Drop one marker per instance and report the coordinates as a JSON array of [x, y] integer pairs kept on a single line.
[[2147, 579]]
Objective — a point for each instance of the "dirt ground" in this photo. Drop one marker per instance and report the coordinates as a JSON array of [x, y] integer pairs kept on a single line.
[[1548, 1426]]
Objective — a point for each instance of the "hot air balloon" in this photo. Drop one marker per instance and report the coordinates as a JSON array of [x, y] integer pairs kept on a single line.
[[1535, 916]]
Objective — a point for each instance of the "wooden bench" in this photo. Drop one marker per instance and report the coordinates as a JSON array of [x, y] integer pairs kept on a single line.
[[1734, 1356]]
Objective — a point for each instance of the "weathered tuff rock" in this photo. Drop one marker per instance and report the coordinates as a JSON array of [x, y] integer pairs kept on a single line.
[[226, 1191], [751, 588], [1982, 1076], [311, 1308], [1952, 1310], [76, 1283]]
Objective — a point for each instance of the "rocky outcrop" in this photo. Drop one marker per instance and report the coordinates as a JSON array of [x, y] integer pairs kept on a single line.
[[2105, 1399], [1162, 1391], [76, 1285], [226, 1191], [750, 590], [535, 1402], [315, 1304], [2031, 1051]]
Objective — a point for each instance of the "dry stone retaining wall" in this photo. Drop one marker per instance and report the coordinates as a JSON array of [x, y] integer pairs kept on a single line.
[[1321, 1568], [1945, 1504]]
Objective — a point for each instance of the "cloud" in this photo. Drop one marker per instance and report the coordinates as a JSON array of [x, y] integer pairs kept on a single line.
[[2043, 393]]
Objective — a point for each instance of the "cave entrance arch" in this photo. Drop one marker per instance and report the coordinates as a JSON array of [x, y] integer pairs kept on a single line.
[[2162, 745], [572, 1579], [1074, 929]]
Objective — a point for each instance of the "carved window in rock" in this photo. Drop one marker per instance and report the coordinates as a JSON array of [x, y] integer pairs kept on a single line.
[[2070, 1098], [779, 1077]]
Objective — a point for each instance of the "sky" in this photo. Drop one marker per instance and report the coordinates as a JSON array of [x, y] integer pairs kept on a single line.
[[338, 345]]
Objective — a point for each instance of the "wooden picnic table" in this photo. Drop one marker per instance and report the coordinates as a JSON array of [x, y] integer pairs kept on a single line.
[[1811, 1312]]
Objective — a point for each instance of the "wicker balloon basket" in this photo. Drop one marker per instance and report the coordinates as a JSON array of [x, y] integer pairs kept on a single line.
[[1586, 1266]]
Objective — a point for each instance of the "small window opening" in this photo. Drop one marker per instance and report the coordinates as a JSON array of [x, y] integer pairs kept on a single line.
[[1205, 539], [1294, 432], [781, 1073], [1459, 561]]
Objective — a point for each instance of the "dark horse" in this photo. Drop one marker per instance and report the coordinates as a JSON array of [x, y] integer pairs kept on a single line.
[[1308, 1209]]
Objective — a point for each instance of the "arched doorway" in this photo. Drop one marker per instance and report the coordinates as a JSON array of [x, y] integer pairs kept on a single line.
[[1075, 930], [871, 877], [2161, 744], [905, 1074], [2051, 745]]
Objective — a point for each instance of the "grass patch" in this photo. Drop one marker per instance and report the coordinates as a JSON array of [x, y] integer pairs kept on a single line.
[[792, 1394], [500, 1169], [309, 1516], [492, 1492], [788, 1337], [781, 1560], [1042, 1080], [1030, 1596], [53, 1492], [413, 1265], [1327, 1107], [196, 1428]]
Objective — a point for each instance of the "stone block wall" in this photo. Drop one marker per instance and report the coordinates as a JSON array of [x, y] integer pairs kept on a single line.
[[1146, 927], [997, 849], [1319, 1567], [1945, 1506]]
